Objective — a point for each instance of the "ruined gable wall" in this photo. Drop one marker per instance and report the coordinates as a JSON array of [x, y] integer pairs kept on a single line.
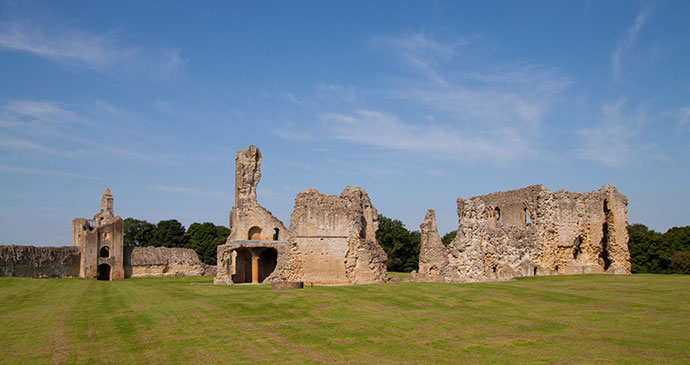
[[39, 262], [566, 233], [163, 261], [247, 213], [335, 238]]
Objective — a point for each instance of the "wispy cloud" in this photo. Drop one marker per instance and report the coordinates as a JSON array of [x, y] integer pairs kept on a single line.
[[423, 52], [628, 41], [48, 111], [611, 140], [34, 171], [193, 191], [490, 113], [683, 116], [291, 132], [76, 131], [101, 52], [388, 131], [14, 143]]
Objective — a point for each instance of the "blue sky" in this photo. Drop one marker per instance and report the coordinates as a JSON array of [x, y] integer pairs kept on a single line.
[[417, 102]]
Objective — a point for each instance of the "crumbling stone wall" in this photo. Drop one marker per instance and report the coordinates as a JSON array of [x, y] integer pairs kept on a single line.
[[164, 261], [336, 238], [39, 262], [331, 240], [529, 231]]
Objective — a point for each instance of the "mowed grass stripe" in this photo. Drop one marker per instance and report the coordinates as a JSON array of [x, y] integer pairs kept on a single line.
[[588, 318]]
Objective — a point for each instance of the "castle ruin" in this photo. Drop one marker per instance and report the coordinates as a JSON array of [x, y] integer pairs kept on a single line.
[[331, 240], [528, 232], [97, 252]]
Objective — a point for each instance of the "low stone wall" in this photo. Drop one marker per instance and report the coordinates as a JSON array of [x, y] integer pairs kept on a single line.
[[164, 261], [39, 262]]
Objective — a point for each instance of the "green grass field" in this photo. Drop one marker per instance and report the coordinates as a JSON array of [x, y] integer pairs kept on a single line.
[[588, 318]]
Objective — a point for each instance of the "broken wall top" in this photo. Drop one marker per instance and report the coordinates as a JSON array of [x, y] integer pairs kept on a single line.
[[317, 214]]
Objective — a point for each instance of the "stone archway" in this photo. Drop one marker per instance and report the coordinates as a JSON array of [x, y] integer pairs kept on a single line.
[[254, 233], [103, 272], [105, 252]]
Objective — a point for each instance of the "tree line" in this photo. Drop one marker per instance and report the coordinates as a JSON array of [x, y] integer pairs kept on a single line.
[[659, 253], [650, 251], [203, 238]]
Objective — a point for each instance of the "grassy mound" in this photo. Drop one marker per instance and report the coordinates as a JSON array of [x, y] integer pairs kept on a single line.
[[588, 318]]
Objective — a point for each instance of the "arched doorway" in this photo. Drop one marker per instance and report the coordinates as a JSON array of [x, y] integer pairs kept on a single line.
[[103, 272]]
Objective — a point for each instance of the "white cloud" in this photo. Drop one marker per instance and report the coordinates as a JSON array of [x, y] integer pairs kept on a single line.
[[101, 52], [423, 52], [505, 95], [611, 140], [388, 131], [628, 41], [33, 171], [48, 111], [14, 143]]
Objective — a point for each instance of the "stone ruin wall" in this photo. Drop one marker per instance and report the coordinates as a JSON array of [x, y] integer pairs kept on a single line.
[[164, 261], [65, 262], [39, 262], [527, 232], [335, 238], [331, 239]]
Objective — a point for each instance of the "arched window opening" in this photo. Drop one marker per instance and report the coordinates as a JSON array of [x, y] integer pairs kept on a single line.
[[528, 219], [103, 272], [499, 218], [105, 252], [254, 233], [276, 232]]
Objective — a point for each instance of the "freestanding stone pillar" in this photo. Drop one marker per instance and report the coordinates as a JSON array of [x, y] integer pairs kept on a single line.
[[255, 269]]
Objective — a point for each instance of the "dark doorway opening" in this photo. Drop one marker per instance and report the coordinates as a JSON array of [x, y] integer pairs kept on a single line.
[[105, 252], [268, 258], [243, 266], [103, 272]]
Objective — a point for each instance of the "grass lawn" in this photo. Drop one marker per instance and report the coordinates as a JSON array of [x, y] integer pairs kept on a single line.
[[587, 318]]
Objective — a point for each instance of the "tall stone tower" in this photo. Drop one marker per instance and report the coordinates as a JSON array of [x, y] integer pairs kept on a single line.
[[100, 242]]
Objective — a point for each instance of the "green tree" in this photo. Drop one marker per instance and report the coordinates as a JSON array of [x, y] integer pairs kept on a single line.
[[652, 252], [448, 237], [401, 245], [137, 232], [169, 233], [680, 261], [204, 238]]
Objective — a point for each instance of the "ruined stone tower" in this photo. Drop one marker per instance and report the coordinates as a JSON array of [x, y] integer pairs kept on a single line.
[[100, 242]]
